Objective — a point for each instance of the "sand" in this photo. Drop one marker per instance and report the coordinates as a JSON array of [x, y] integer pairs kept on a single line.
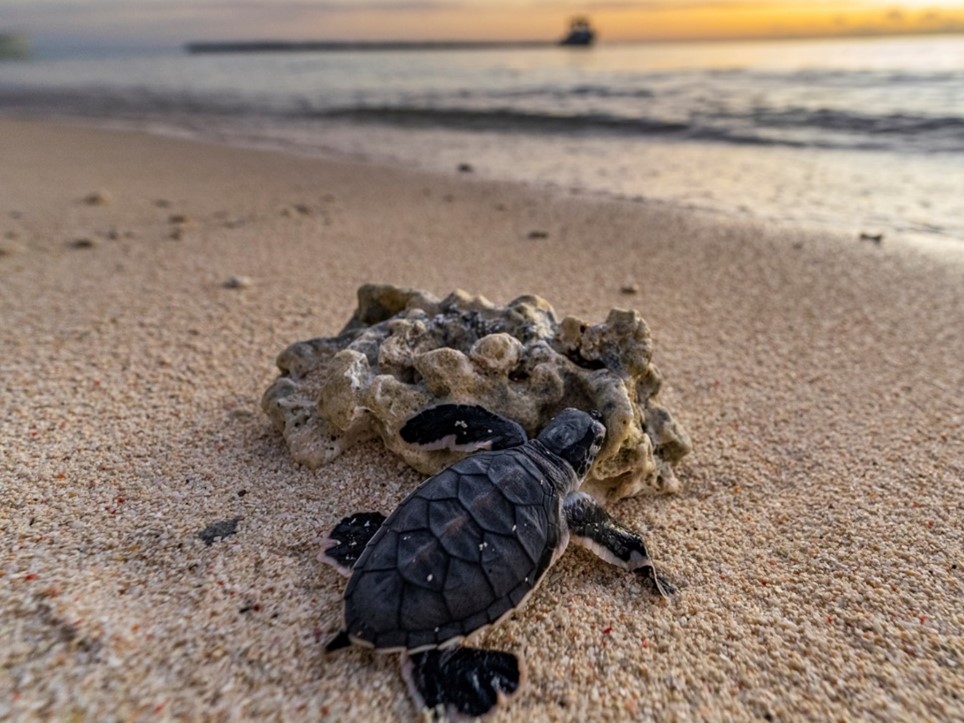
[[817, 543]]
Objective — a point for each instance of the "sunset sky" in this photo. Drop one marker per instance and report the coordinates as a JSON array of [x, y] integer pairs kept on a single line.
[[157, 23]]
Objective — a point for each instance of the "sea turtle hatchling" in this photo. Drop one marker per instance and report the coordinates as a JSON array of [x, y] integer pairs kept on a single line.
[[469, 545]]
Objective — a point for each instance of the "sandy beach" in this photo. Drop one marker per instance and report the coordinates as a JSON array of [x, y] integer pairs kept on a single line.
[[817, 541]]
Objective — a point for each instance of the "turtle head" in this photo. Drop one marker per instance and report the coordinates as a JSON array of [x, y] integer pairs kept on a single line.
[[576, 437]]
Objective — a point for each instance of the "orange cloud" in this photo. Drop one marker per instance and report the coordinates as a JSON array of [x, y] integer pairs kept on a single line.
[[666, 20]]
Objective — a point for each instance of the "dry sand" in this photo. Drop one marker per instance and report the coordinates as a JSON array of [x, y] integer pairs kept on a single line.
[[817, 544]]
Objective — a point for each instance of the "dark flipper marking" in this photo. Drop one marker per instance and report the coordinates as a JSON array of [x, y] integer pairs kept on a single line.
[[467, 681], [345, 544], [338, 642], [461, 427], [593, 528]]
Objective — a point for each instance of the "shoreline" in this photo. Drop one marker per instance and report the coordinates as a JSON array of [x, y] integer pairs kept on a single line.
[[815, 541], [343, 144]]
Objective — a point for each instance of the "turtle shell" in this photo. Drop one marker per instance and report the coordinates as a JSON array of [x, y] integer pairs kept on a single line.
[[459, 553]]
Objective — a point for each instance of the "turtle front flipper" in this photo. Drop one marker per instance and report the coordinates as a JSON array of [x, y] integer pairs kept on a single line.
[[590, 526], [463, 428], [462, 681], [342, 548]]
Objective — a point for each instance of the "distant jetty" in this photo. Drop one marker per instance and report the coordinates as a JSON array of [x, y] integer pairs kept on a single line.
[[280, 46], [580, 34]]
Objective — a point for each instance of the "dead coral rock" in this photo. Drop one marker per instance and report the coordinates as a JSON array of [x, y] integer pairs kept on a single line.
[[405, 350]]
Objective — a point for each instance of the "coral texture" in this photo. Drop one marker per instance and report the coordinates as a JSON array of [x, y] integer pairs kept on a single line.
[[405, 350]]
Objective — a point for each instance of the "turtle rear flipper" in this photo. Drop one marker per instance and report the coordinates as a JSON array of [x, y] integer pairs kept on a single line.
[[463, 428], [462, 681], [342, 548]]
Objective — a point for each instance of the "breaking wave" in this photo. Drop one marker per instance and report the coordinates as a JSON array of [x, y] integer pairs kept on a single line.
[[795, 127]]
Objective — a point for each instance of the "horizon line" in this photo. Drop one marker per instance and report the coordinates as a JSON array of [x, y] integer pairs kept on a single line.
[[481, 42], [41, 48]]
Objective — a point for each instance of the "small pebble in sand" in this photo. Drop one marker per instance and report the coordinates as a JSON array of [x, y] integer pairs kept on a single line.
[[298, 209], [162, 203], [629, 289], [875, 238], [219, 530], [176, 234], [238, 282], [113, 234], [85, 242], [537, 234], [97, 198], [465, 168], [9, 248], [178, 218]]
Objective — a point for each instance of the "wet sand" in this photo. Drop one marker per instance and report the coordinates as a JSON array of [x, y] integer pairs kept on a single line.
[[817, 542]]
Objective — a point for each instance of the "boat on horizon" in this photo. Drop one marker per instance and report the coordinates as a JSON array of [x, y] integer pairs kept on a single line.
[[580, 33]]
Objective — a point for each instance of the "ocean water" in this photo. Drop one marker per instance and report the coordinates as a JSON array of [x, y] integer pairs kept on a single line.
[[857, 135]]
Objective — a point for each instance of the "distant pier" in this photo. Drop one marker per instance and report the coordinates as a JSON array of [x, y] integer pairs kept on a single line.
[[273, 46]]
